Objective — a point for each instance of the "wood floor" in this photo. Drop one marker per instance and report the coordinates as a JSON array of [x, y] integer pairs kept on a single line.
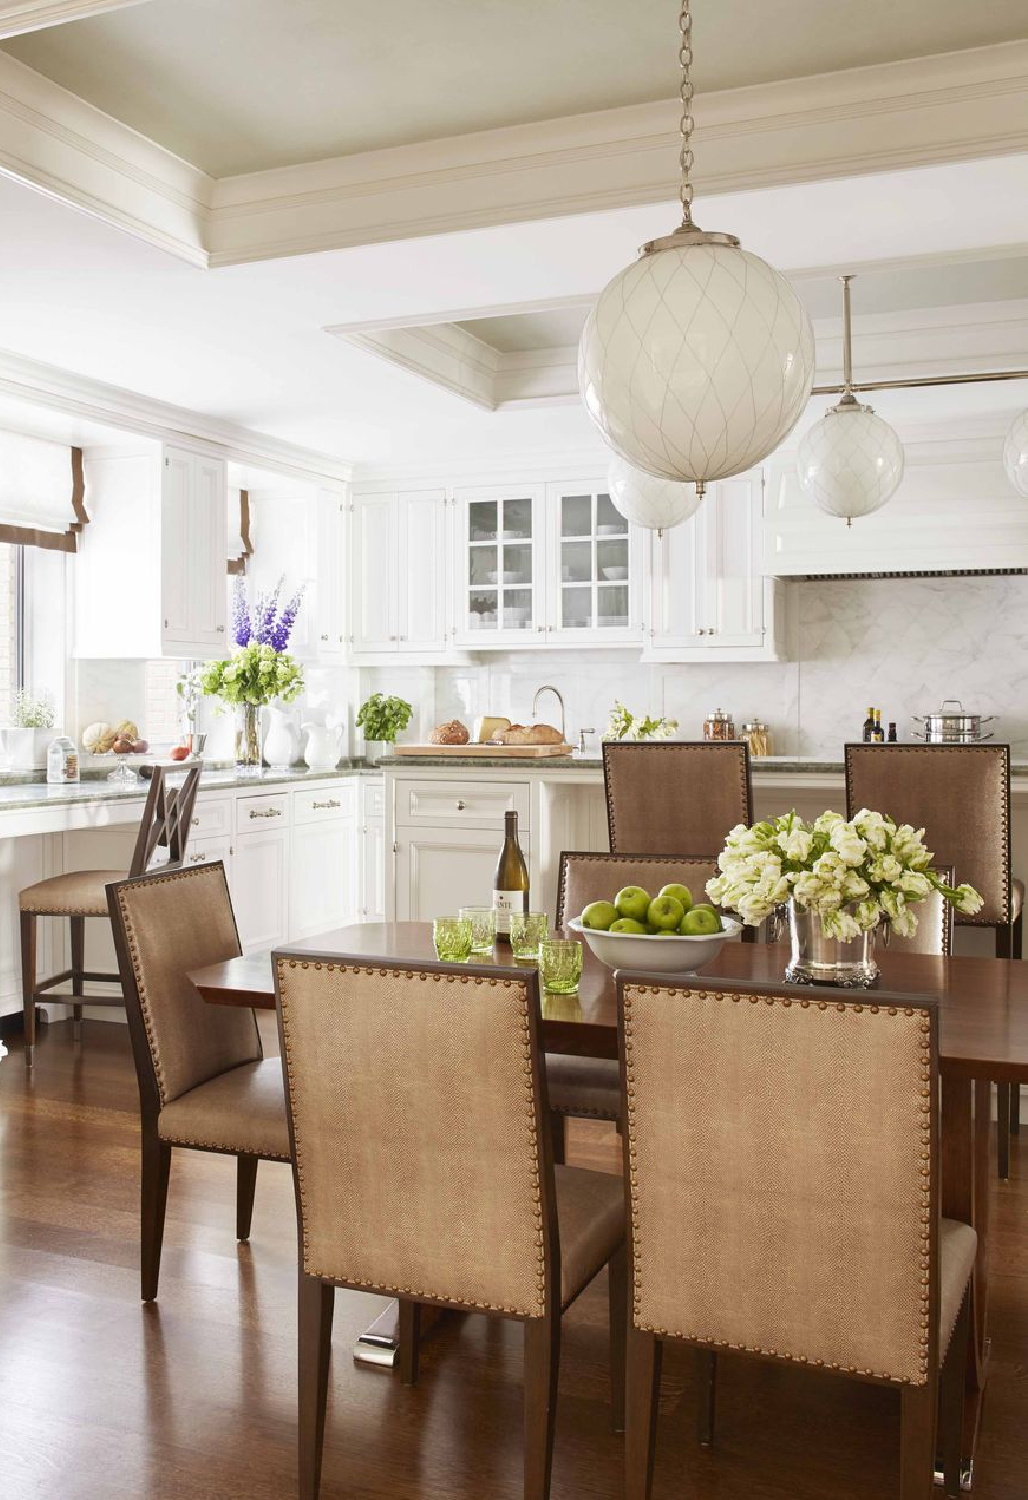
[[193, 1398]]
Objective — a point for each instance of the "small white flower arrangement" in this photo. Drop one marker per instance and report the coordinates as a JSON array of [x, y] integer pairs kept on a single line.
[[853, 874]]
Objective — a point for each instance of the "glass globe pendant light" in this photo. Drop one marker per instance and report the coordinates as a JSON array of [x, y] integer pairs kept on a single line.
[[645, 500], [698, 359], [851, 462], [1015, 454]]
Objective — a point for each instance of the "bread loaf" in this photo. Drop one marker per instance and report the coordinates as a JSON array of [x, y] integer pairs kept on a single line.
[[453, 732], [529, 734]]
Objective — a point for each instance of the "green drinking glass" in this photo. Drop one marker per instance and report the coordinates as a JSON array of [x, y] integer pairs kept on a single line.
[[560, 965], [527, 931], [482, 920], [452, 939]]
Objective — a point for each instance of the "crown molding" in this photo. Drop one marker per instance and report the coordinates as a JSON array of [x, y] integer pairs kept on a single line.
[[54, 141], [63, 390], [19, 16], [952, 107]]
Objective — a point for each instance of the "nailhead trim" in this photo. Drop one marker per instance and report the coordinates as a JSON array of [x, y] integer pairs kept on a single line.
[[538, 1310], [243, 1148], [925, 1173]]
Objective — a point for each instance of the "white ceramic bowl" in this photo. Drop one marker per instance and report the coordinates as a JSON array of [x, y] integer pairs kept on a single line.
[[660, 955]]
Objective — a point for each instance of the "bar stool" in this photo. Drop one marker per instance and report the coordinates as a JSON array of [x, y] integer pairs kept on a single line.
[[675, 796], [82, 894], [960, 795]]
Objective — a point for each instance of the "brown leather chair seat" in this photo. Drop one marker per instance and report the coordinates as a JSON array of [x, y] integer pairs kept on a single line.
[[80, 893], [591, 1225], [586, 1087], [242, 1111]]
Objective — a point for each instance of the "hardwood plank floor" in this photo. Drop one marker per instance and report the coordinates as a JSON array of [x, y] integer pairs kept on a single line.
[[194, 1397]]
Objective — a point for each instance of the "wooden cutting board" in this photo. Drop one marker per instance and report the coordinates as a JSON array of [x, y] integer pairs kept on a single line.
[[505, 752]]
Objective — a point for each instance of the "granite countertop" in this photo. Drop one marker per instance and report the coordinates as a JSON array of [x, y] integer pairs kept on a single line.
[[784, 765], [21, 793]]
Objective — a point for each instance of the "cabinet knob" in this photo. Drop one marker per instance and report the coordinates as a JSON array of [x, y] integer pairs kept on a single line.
[[699, 632], [325, 636], [461, 806], [221, 630]]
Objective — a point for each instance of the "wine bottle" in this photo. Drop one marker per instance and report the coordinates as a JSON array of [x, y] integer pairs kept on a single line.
[[510, 887], [869, 727], [879, 731]]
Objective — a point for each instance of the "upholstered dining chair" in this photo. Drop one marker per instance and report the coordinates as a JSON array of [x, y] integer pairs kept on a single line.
[[675, 796], [82, 894], [203, 1079], [761, 1254], [398, 1193], [960, 796], [589, 1088], [934, 933]]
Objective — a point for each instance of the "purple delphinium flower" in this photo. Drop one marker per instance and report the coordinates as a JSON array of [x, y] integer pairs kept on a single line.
[[241, 630], [265, 610], [281, 628]]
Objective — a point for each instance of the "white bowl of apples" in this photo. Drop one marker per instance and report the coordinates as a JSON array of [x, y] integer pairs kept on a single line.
[[666, 934]]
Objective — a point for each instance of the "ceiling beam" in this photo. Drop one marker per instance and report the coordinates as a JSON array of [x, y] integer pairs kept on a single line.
[[19, 16]]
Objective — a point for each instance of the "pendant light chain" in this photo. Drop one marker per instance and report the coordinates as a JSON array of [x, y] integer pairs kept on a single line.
[[685, 158]]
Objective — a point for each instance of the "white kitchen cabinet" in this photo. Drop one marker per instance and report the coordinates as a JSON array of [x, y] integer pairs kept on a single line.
[[499, 542], [437, 870], [209, 851], [591, 567], [299, 537], [330, 590], [260, 870], [371, 851], [149, 576], [323, 887], [401, 573], [708, 599]]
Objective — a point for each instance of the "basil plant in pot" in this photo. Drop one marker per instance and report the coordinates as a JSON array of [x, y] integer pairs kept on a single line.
[[838, 882], [381, 719]]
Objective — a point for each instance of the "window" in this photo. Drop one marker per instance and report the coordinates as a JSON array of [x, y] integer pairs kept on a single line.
[[11, 668]]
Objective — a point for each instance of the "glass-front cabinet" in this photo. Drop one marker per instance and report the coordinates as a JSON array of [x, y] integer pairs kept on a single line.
[[500, 540], [591, 566]]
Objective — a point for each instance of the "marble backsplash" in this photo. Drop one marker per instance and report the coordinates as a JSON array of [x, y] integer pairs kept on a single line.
[[901, 644]]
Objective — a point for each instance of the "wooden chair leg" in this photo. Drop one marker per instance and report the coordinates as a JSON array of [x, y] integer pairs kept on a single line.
[[617, 1304], [153, 1200], [1015, 1109], [951, 1399], [1003, 1131], [78, 964], [316, 1303], [246, 1186], [542, 1364], [642, 1394], [917, 1440], [706, 1410], [559, 1136], [410, 1340], [28, 984]]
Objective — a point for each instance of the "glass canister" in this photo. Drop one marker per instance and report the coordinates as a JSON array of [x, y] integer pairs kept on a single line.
[[718, 726], [62, 760], [758, 737]]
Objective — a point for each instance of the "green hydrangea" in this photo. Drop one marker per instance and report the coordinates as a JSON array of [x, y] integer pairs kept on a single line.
[[253, 674]]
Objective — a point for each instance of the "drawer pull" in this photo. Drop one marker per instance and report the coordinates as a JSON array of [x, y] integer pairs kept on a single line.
[[461, 806], [268, 812], [330, 803], [197, 859]]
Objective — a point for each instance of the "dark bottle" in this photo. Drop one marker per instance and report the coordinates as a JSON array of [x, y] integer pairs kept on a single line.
[[869, 726], [879, 735], [892, 732], [510, 887]]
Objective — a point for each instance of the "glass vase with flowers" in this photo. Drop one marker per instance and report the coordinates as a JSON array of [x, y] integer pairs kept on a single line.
[[260, 669]]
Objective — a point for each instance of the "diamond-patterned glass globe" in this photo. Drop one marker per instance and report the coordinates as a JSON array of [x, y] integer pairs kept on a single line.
[[1015, 454], [645, 500], [697, 360], [851, 462]]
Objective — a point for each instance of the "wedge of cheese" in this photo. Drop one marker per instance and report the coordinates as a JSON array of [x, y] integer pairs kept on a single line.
[[487, 726]]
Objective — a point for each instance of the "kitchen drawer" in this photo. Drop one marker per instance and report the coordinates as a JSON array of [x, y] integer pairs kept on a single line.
[[310, 806], [460, 804], [211, 818], [372, 799], [268, 810], [206, 851]]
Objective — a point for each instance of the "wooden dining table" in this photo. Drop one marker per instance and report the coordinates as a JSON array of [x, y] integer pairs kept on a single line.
[[983, 1039]]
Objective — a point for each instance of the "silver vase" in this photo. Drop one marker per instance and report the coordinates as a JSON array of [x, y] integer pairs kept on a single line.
[[818, 959]]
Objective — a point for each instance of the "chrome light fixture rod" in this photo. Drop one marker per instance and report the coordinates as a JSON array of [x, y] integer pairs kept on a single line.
[[914, 382]]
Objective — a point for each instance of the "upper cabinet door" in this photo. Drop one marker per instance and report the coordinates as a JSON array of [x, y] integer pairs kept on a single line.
[[733, 602], [499, 545], [424, 570], [374, 535], [676, 589], [592, 567], [176, 490], [330, 592], [207, 529]]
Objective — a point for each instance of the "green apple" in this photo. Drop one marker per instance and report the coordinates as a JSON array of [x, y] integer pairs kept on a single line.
[[665, 913], [680, 892], [702, 921], [632, 901], [629, 925], [598, 915], [667, 932]]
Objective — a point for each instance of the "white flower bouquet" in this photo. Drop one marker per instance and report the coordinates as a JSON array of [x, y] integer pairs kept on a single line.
[[852, 874]]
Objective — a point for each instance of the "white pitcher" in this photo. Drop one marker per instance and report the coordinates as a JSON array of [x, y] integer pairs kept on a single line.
[[281, 741], [324, 745]]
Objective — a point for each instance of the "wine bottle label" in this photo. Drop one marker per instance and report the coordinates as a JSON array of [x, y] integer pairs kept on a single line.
[[505, 902]]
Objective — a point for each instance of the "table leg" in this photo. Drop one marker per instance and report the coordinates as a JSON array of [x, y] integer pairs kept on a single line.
[[966, 1122]]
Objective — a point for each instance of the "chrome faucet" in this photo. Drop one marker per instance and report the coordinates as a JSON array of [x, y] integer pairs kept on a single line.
[[548, 688]]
